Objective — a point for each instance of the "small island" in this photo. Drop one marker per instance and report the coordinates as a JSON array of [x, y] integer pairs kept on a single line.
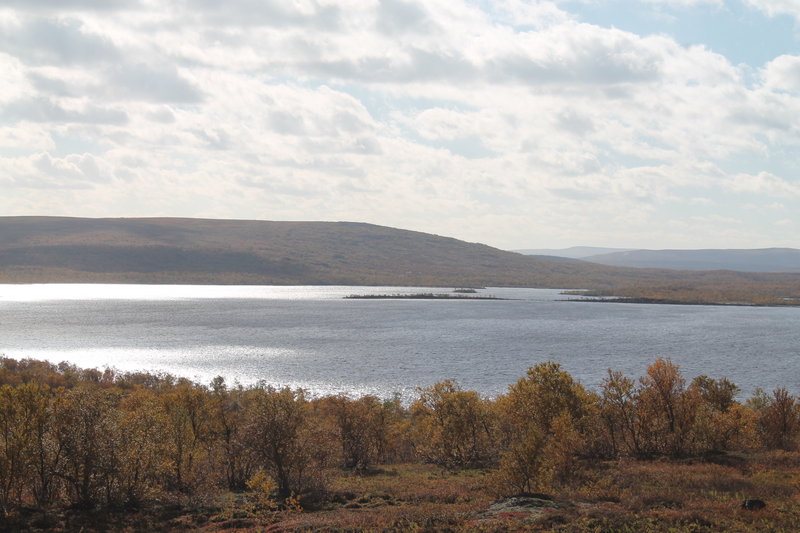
[[420, 296]]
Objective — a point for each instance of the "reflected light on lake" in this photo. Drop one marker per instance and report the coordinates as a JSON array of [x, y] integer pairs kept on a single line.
[[314, 338]]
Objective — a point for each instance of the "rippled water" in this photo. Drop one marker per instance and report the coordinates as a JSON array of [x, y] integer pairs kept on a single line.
[[314, 338]]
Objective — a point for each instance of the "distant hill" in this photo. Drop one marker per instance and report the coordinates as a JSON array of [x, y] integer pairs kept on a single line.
[[203, 251], [760, 260], [176, 250], [574, 252]]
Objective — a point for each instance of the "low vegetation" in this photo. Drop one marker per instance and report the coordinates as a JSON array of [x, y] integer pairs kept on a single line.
[[91, 450]]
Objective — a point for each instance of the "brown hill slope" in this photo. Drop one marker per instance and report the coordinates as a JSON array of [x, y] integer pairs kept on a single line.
[[235, 251], [179, 250]]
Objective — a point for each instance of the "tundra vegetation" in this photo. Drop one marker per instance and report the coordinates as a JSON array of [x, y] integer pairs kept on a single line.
[[84, 449]]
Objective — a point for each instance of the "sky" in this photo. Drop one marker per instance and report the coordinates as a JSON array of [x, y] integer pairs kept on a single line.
[[519, 124]]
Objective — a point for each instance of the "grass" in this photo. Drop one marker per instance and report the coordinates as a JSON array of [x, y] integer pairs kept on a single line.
[[692, 495]]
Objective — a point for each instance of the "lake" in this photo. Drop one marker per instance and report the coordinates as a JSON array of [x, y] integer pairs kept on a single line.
[[312, 337]]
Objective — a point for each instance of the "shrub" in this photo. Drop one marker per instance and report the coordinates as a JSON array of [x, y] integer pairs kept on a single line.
[[544, 426], [619, 412], [22, 411], [87, 432], [233, 456], [778, 419], [285, 442], [451, 426], [187, 430], [361, 426], [666, 409]]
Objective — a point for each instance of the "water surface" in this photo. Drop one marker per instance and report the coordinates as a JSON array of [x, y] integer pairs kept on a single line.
[[314, 338]]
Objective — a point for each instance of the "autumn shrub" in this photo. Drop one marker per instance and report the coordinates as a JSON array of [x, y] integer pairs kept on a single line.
[[22, 409], [231, 454], [564, 443], [261, 497], [361, 426], [43, 483], [545, 393], [452, 427], [718, 394], [619, 403], [284, 440], [398, 447], [523, 465], [87, 433], [667, 409], [661, 415], [721, 431], [103, 439], [722, 423], [16, 372], [545, 417], [778, 418], [141, 450], [187, 431]]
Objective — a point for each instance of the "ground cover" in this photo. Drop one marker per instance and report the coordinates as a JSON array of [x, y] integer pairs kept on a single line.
[[661, 495]]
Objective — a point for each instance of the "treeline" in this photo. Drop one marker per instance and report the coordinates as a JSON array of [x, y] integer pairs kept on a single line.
[[91, 439]]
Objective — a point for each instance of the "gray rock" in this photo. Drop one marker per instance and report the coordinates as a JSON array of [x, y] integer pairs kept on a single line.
[[519, 505]]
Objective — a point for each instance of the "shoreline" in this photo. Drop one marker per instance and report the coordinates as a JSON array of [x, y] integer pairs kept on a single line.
[[659, 301]]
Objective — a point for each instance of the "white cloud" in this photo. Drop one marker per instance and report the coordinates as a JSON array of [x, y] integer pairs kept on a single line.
[[45, 172], [764, 183], [13, 82], [275, 13], [48, 111], [686, 3], [531, 14], [68, 5], [161, 83], [783, 73], [54, 41], [777, 7], [497, 122], [401, 17]]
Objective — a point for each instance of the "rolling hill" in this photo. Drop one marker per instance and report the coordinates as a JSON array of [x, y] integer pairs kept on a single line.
[[180, 250], [760, 260], [174, 250]]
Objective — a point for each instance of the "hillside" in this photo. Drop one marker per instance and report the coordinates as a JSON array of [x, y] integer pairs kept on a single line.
[[760, 260], [234, 251], [179, 250]]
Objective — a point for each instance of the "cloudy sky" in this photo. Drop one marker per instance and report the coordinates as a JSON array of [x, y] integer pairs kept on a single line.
[[521, 124]]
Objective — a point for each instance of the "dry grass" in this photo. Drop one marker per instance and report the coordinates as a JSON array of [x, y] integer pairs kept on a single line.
[[407, 497], [620, 496], [615, 496]]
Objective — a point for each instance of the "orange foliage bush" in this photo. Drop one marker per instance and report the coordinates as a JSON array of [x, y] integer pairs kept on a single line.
[[96, 439]]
